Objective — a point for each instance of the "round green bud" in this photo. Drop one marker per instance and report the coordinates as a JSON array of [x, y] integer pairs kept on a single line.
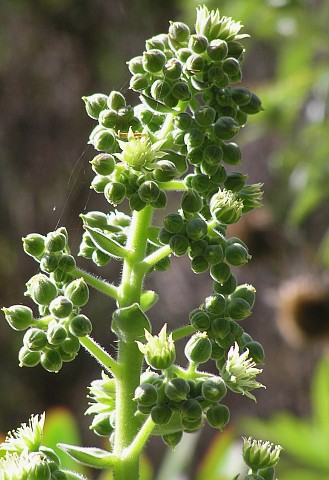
[[100, 258], [172, 439], [256, 352], [194, 155], [237, 254], [214, 389], [191, 426], [146, 395], [51, 361], [196, 229], [241, 117], [217, 50], [41, 289], [149, 191], [181, 91], [116, 100], [238, 309], [160, 89], [241, 95], [194, 63], [35, 339], [253, 106], [198, 248], [66, 263], [214, 254], [158, 41], [173, 223], [164, 236], [235, 181], [49, 263], [247, 292], [191, 202], [139, 82], [161, 201], [95, 104], [199, 264], [220, 328], [267, 473], [135, 65], [172, 69], [183, 121], [39, 468], [61, 307], [55, 242], [136, 203], [61, 277], [56, 333], [162, 265], [198, 43], [199, 319], [179, 32], [205, 116], [115, 192], [70, 345], [177, 389], [220, 272], [80, 326], [19, 317], [171, 101], [225, 206], [200, 182], [34, 244], [178, 244], [218, 416], [28, 358], [191, 410], [215, 304], [104, 140], [198, 348], [217, 77], [101, 425], [165, 171], [103, 164], [231, 154], [153, 60], [161, 414], [212, 154], [227, 287], [226, 128], [77, 292], [231, 66], [99, 183], [109, 118], [183, 54], [217, 352], [208, 169]]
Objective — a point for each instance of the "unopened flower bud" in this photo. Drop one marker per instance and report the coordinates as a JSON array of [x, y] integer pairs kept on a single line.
[[77, 292], [146, 395], [183, 121], [34, 244], [181, 91], [217, 50], [214, 254], [199, 319], [153, 60], [103, 164], [178, 244], [165, 171], [35, 339], [199, 264], [227, 287], [214, 389], [104, 140], [220, 328], [226, 207], [39, 468], [172, 69], [196, 229], [161, 201], [161, 414], [258, 454], [41, 289], [172, 439], [215, 304], [160, 89], [177, 389], [238, 308], [149, 191], [218, 416], [267, 473], [191, 201], [99, 183], [173, 223], [198, 348], [19, 317], [205, 116], [135, 65], [95, 104], [80, 326], [237, 254], [56, 333], [200, 182], [101, 425], [28, 358], [247, 292], [235, 181], [139, 82], [231, 66], [191, 410], [253, 106], [109, 118], [179, 32], [70, 345], [55, 242], [51, 360], [115, 192], [61, 307], [116, 100], [231, 154], [220, 272], [256, 352], [66, 263], [159, 350], [226, 128]]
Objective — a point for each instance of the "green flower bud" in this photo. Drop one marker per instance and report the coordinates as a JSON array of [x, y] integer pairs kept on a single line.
[[161, 201], [55, 242], [199, 264], [194, 63], [208, 169], [41, 289], [200, 183], [70, 345], [247, 292], [172, 439], [194, 155], [164, 236], [217, 50], [267, 473], [116, 100], [191, 410], [19, 317], [177, 389], [103, 164], [171, 101], [95, 104], [237, 254], [56, 333], [173, 223], [231, 154], [39, 468], [136, 203], [139, 82], [160, 89], [214, 389], [101, 425], [179, 32], [109, 118], [178, 244], [146, 395], [198, 43], [218, 416], [191, 202], [253, 106], [77, 291], [162, 265], [238, 309], [115, 192], [183, 121], [198, 348], [99, 183], [231, 66], [183, 54], [28, 358], [100, 258], [158, 41], [199, 319], [227, 287], [215, 304], [104, 140], [226, 128], [80, 326], [61, 277], [198, 247], [159, 350], [165, 171], [35, 339], [66, 263], [225, 207], [212, 155], [235, 181], [191, 426], [241, 95], [217, 352], [51, 361], [236, 50], [205, 116], [220, 272], [217, 77], [153, 60], [220, 328], [161, 414], [34, 244], [196, 229], [258, 454], [135, 65], [61, 307], [149, 191], [172, 69], [214, 254], [256, 352], [181, 91]]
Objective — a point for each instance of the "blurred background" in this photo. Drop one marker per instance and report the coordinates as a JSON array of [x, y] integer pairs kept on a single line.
[[53, 53]]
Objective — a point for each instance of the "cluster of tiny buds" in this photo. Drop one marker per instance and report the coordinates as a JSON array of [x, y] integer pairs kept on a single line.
[[53, 337]]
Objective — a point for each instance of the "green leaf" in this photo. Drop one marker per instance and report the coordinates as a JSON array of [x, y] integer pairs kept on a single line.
[[129, 323], [106, 244], [155, 105], [148, 299], [90, 456], [152, 235]]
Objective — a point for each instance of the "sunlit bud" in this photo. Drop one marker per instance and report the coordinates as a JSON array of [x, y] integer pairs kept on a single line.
[[191, 201], [158, 41], [200, 182], [258, 454], [173, 223], [70, 345], [252, 196], [100, 258], [99, 183], [267, 473], [220, 272], [220, 328], [135, 65], [183, 121], [179, 32], [66, 263], [51, 360], [181, 91], [34, 244], [226, 128], [109, 118], [253, 106], [161, 414], [217, 77], [104, 140], [19, 317], [77, 291], [241, 95], [196, 229], [217, 352], [205, 116], [61, 277], [95, 104], [241, 117], [56, 333], [101, 425], [191, 426], [238, 309], [209, 169], [172, 439], [215, 304], [226, 207], [41, 289], [153, 60], [172, 69], [256, 352], [177, 389], [217, 50], [247, 292], [227, 287], [80, 326], [116, 100], [198, 348], [115, 192], [199, 319], [191, 410], [199, 264], [146, 395], [164, 236], [198, 247], [39, 468], [218, 416], [149, 191], [55, 242], [35, 339], [139, 82], [214, 389], [165, 171], [136, 203], [212, 154], [171, 100], [231, 66], [194, 63], [159, 350], [160, 89], [61, 307], [231, 154], [183, 54], [178, 244], [214, 254], [28, 358], [197, 43], [237, 254]]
